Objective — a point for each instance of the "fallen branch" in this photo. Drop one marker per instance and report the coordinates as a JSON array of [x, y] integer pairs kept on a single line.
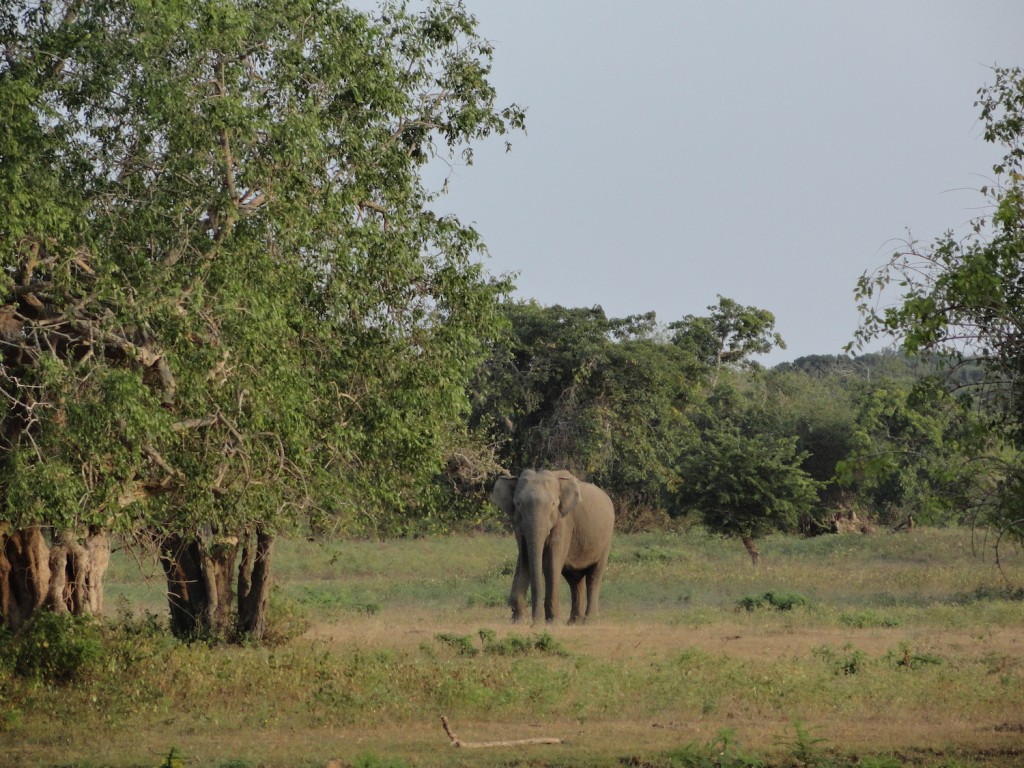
[[457, 742]]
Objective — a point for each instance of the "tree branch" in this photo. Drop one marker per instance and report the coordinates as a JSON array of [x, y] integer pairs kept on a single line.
[[457, 742]]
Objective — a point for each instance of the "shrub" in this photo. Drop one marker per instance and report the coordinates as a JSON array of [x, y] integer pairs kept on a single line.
[[780, 601], [56, 648], [285, 620], [851, 663], [511, 645], [720, 752], [909, 659], [370, 760], [461, 643], [865, 619]]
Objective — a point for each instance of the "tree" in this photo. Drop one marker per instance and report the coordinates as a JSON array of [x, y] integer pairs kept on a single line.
[[962, 296], [916, 450], [746, 484], [812, 399], [728, 336], [570, 388], [226, 303]]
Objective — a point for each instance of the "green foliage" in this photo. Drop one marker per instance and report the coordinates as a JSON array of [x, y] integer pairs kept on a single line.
[[907, 658], [746, 484], [721, 752], [604, 398], [850, 662], [780, 601], [228, 307], [727, 336], [915, 449], [231, 298], [372, 760], [54, 648], [962, 297], [461, 643], [173, 759], [807, 749], [510, 645]]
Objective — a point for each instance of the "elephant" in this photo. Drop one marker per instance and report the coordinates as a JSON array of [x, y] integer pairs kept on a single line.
[[562, 525]]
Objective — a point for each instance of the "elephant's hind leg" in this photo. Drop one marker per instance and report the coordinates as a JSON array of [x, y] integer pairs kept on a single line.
[[575, 579], [594, 576]]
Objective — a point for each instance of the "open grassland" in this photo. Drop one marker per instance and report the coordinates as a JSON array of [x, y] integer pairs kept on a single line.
[[882, 650]]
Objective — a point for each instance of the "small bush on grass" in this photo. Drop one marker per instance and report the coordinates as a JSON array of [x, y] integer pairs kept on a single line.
[[780, 601], [461, 643], [805, 748], [985, 594], [866, 619], [720, 752], [850, 662], [908, 659], [55, 648], [285, 620], [370, 760], [511, 645]]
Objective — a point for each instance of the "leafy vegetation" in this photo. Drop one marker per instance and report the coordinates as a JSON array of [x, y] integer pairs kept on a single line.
[[780, 601], [227, 308], [960, 298]]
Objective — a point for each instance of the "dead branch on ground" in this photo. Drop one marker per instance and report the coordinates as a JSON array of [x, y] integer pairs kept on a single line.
[[457, 742]]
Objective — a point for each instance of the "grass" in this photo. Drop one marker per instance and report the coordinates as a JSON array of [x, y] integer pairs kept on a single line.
[[893, 650]]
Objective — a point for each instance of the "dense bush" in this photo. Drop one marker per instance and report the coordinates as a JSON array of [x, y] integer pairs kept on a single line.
[[54, 647]]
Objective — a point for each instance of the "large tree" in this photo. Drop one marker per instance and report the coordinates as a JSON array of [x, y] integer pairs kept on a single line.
[[226, 302], [570, 388], [728, 336], [962, 296]]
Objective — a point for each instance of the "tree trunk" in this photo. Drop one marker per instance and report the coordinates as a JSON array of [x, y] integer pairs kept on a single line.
[[24, 573], [199, 584], [755, 554], [65, 577], [77, 568], [254, 584]]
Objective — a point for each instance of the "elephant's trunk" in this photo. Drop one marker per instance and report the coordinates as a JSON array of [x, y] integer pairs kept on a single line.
[[537, 588]]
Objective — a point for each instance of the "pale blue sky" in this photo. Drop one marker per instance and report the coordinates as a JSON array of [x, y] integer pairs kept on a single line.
[[769, 151]]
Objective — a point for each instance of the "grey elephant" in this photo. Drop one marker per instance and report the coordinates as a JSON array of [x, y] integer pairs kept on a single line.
[[562, 525]]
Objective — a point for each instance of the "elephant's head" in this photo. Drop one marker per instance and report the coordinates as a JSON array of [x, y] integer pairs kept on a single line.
[[536, 501]]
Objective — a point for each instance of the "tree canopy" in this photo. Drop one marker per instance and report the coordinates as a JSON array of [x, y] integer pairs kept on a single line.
[[227, 303], [962, 296]]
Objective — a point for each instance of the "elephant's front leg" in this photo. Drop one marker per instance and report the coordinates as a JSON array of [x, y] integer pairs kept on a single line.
[[550, 586], [575, 579], [520, 583]]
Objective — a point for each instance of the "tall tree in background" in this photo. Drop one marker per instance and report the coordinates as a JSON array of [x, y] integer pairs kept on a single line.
[[963, 297], [728, 336], [570, 388], [226, 304]]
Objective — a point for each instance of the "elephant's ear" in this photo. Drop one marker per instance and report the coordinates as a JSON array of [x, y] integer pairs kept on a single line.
[[571, 495], [501, 496]]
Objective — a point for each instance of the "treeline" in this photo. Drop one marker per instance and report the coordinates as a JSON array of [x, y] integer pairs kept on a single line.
[[680, 420]]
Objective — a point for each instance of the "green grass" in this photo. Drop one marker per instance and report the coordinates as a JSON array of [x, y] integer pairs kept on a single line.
[[895, 650]]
